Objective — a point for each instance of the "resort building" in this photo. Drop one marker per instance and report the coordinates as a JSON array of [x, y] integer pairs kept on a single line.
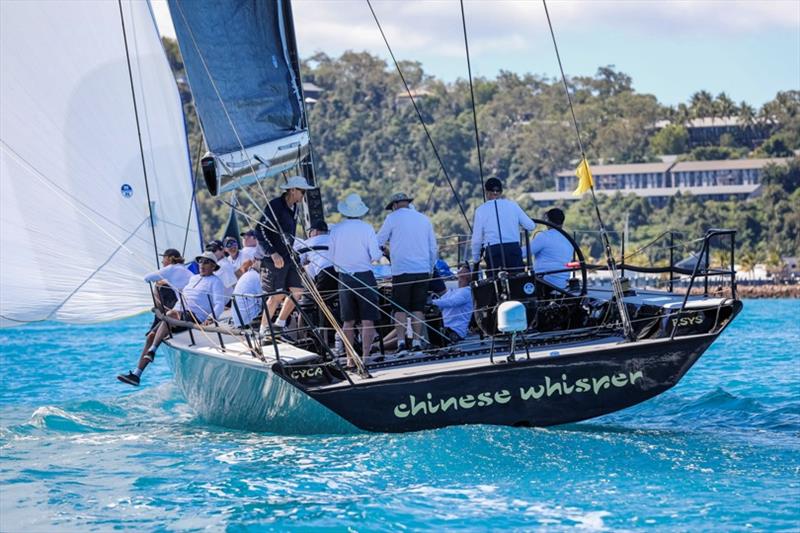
[[717, 180]]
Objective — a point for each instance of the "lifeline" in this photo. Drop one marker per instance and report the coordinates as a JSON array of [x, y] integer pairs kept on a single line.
[[429, 406]]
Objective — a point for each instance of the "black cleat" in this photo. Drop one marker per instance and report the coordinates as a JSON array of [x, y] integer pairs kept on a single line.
[[130, 378]]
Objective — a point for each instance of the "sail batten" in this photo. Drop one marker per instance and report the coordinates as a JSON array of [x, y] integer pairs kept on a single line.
[[76, 238]]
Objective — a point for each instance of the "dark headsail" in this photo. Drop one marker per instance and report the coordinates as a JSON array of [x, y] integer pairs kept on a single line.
[[241, 64]]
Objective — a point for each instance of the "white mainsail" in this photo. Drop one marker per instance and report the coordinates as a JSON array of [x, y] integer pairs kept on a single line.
[[75, 219]]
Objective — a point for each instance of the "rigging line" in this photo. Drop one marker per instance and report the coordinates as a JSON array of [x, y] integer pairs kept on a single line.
[[472, 97], [353, 288], [96, 270], [615, 281], [194, 197], [419, 115], [139, 132], [224, 109], [70, 200]]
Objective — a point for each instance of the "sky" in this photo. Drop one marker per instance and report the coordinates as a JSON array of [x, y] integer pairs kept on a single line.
[[750, 49]]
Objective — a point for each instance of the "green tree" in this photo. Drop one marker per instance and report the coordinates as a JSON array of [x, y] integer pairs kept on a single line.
[[671, 139]]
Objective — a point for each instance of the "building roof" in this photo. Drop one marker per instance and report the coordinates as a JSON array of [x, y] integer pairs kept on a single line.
[[633, 168], [309, 86], [727, 164], [705, 122], [655, 192]]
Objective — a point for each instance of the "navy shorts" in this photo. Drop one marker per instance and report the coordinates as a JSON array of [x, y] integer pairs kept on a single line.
[[410, 292], [279, 279], [358, 296]]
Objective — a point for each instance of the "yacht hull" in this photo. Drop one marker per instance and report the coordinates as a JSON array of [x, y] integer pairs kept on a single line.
[[247, 395], [537, 392]]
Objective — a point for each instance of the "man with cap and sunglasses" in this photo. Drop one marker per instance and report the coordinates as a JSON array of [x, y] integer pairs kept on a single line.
[[170, 279], [203, 298], [495, 230], [250, 245], [275, 231], [226, 271], [413, 253]]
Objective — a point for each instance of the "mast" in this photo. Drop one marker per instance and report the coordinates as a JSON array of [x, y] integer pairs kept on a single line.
[[314, 211]]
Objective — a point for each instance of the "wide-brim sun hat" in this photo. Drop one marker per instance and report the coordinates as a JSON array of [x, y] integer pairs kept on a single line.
[[297, 182], [352, 206], [208, 255], [398, 197]]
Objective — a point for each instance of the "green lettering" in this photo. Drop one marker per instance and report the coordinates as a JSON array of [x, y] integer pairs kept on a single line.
[[633, 376], [448, 403], [567, 388], [552, 387], [431, 407], [401, 411], [417, 407], [467, 401], [619, 380], [502, 396], [532, 392], [485, 399], [583, 385], [598, 383]]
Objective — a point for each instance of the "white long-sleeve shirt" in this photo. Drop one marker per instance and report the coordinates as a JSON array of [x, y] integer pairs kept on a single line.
[[485, 231], [196, 294], [411, 240], [552, 251], [456, 306], [317, 259], [176, 275], [249, 305], [353, 246]]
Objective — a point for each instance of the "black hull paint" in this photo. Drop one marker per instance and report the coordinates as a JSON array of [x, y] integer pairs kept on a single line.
[[540, 392]]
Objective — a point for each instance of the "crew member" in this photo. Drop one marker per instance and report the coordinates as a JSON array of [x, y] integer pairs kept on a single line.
[[226, 271], [496, 230], [456, 306], [552, 251], [353, 248], [278, 271], [203, 299], [413, 253], [247, 293]]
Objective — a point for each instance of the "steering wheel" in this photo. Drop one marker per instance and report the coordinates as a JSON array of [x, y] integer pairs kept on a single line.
[[578, 254]]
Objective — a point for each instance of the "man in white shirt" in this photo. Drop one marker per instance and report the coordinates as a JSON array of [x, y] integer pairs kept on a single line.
[[413, 252], [172, 277], [247, 294], [496, 230], [456, 306], [202, 300], [226, 271], [353, 248], [552, 251], [250, 245]]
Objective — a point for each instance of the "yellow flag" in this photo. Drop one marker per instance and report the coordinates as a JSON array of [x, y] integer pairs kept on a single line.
[[585, 180]]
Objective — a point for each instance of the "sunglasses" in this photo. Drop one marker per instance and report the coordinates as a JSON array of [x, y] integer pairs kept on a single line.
[[494, 191], [206, 262], [232, 244]]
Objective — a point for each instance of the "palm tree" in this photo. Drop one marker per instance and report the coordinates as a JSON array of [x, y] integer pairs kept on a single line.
[[724, 106], [702, 104], [747, 261], [747, 119]]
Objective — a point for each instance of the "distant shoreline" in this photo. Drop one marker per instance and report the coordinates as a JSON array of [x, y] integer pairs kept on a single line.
[[768, 291]]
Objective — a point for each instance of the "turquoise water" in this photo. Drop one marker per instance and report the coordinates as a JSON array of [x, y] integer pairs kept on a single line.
[[81, 452]]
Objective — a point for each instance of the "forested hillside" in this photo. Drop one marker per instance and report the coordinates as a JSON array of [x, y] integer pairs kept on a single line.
[[367, 139]]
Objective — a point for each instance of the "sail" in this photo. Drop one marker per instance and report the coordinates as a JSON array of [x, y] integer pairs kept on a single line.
[[77, 235], [239, 61]]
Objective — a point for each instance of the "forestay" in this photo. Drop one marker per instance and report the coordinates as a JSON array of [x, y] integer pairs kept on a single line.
[[238, 58], [76, 228]]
